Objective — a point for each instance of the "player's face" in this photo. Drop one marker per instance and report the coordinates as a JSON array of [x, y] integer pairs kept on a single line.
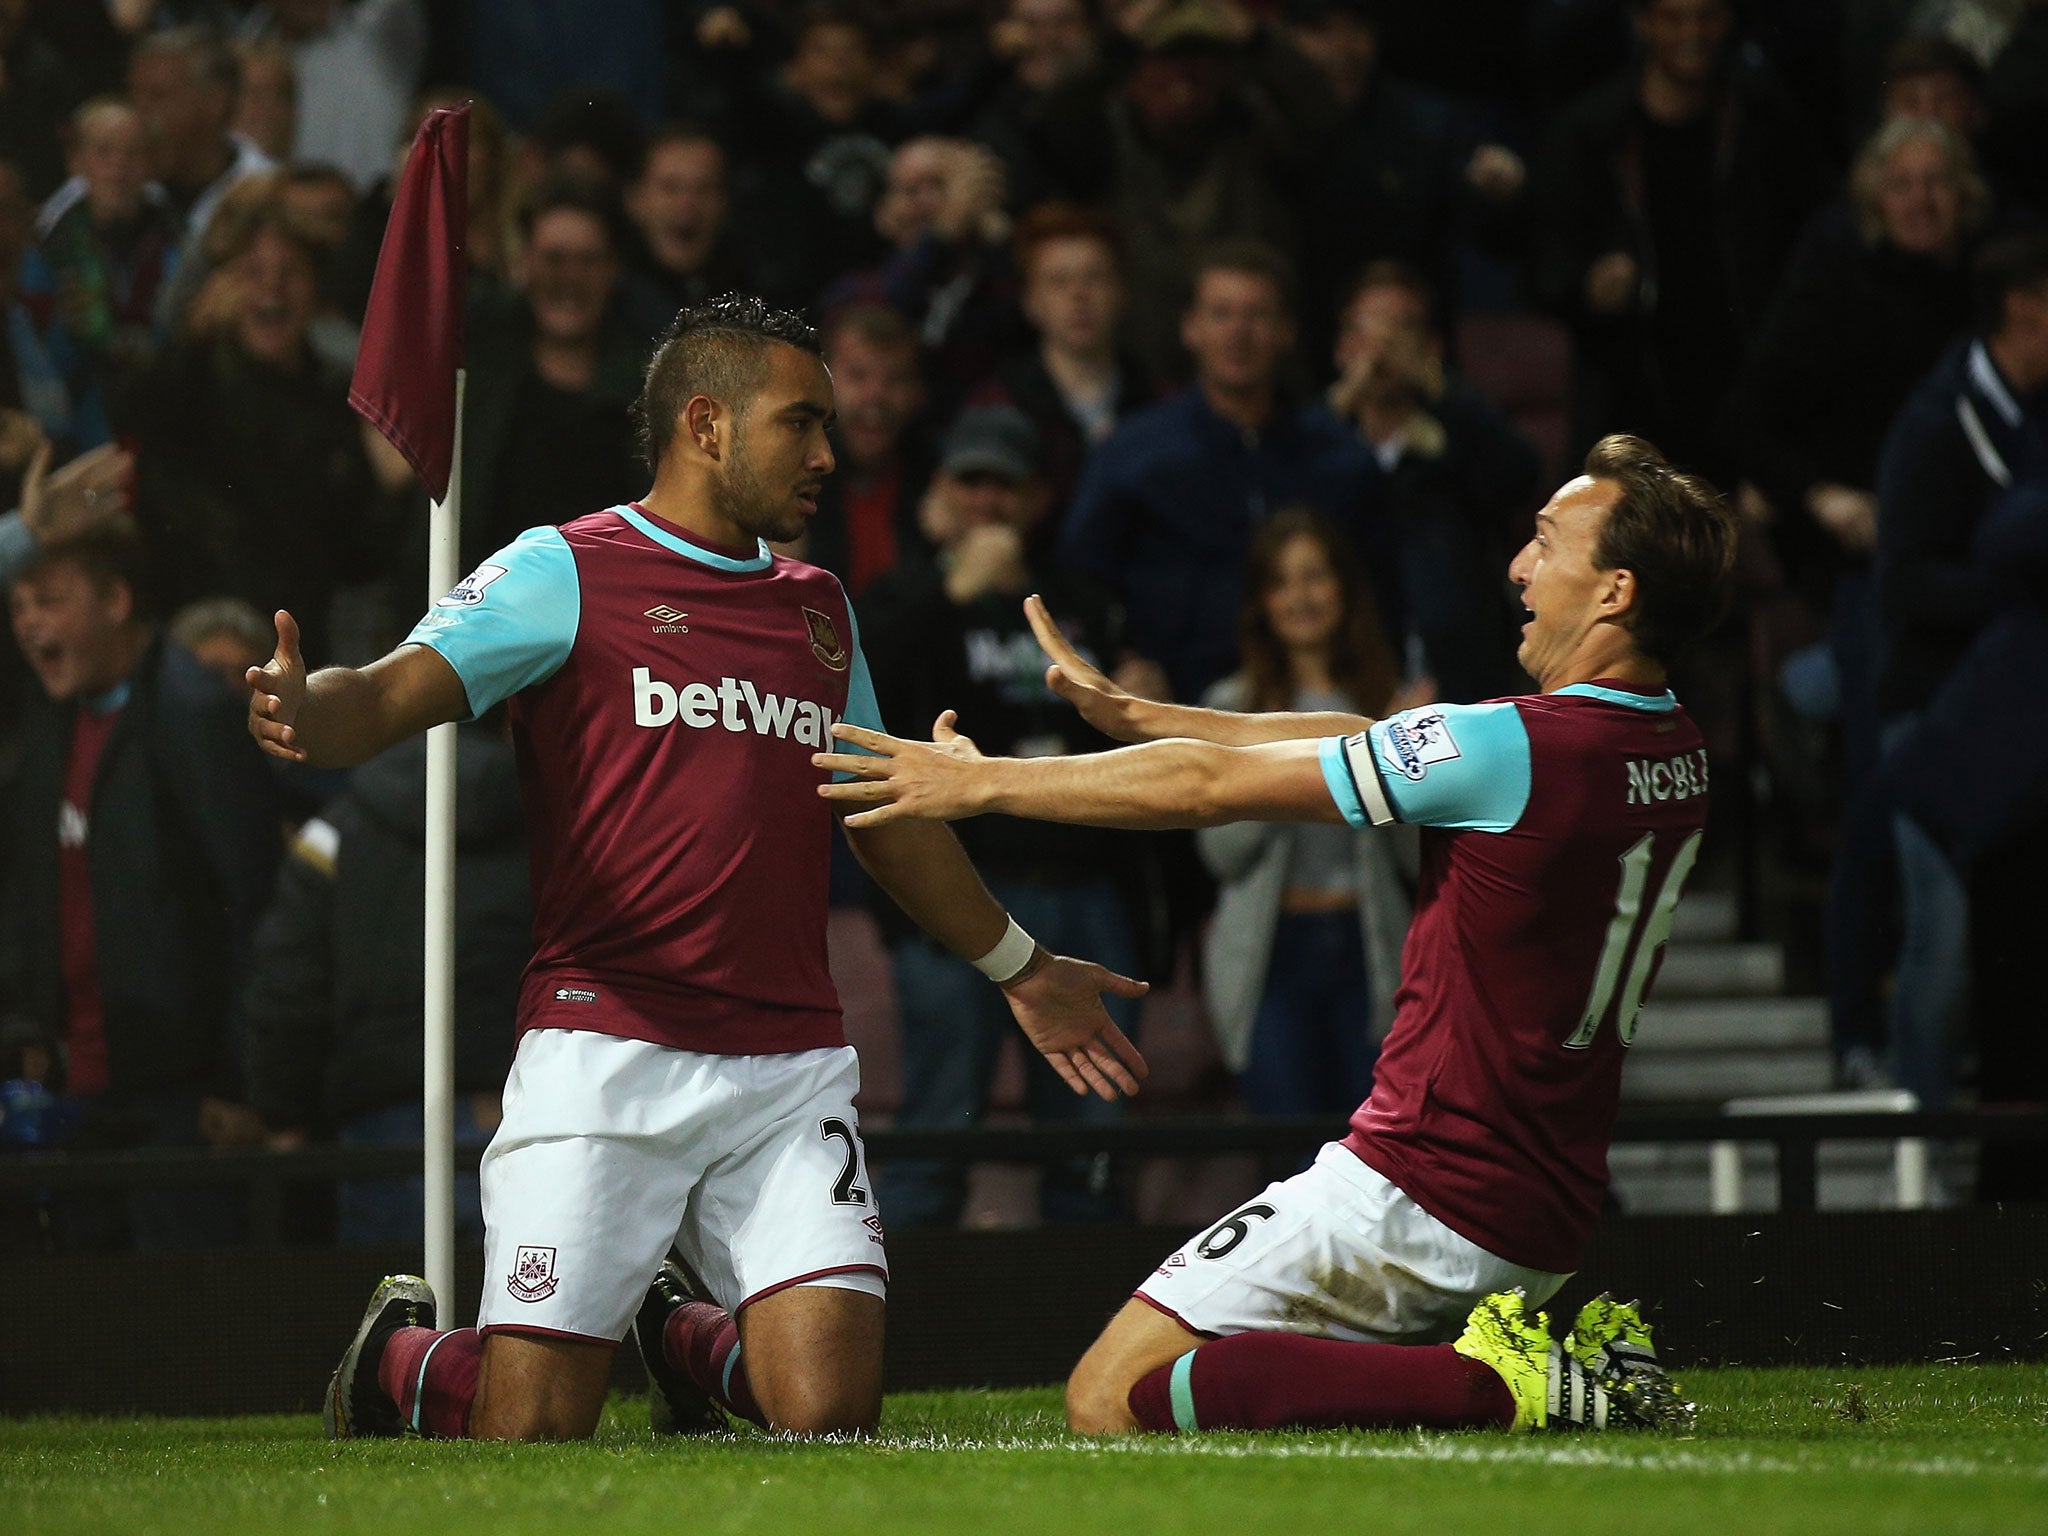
[[1305, 603], [780, 454], [1560, 577], [67, 625], [1074, 294]]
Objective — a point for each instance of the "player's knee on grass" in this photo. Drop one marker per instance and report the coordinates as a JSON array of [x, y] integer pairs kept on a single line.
[[539, 1389], [1098, 1399]]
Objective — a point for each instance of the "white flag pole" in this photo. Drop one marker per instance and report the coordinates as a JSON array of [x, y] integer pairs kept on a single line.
[[444, 543]]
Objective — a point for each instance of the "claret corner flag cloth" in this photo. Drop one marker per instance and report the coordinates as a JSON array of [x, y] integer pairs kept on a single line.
[[404, 382]]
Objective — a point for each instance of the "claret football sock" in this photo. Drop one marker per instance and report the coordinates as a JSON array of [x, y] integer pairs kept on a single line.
[[1286, 1380], [432, 1378], [703, 1342]]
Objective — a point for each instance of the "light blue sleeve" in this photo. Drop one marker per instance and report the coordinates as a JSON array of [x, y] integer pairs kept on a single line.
[[861, 706], [511, 622], [1459, 766]]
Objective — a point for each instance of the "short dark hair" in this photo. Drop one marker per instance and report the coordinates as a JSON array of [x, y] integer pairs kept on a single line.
[[1929, 53], [1673, 532], [2014, 264], [881, 326], [107, 551], [1250, 256], [1390, 272], [599, 120], [718, 348], [208, 54], [581, 192]]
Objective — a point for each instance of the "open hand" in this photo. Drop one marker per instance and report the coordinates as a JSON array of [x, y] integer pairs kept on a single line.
[[935, 781], [1058, 1005], [277, 692], [1112, 710], [89, 491]]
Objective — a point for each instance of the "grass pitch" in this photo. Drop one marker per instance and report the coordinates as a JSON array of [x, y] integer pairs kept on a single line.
[[1908, 1450]]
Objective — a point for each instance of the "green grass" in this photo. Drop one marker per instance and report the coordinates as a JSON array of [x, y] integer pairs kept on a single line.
[[1908, 1450]]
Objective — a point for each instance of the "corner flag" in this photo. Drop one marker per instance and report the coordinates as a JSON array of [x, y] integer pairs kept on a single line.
[[404, 382]]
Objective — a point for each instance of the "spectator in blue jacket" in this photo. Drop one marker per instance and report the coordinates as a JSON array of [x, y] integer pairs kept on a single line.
[[1168, 504], [1971, 433]]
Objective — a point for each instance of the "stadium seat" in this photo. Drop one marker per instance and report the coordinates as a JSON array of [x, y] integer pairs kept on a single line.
[[1523, 364]]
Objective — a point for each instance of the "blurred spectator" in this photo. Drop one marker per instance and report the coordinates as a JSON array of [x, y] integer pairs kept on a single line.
[[101, 265], [1928, 76], [1407, 173], [949, 633], [47, 384], [38, 90], [125, 933], [226, 636], [267, 112], [242, 419], [554, 370], [1208, 134], [814, 136], [1041, 46], [952, 271], [689, 246], [357, 64], [1666, 203], [867, 512], [1304, 952], [1168, 504], [2016, 93], [1973, 430], [184, 85], [1461, 482], [590, 136], [1862, 316], [1074, 382], [337, 971]]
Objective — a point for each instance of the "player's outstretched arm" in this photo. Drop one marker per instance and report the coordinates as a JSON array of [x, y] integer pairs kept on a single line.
[[1152, 785], [1057, 1000], [1123, 716], [341, 716]]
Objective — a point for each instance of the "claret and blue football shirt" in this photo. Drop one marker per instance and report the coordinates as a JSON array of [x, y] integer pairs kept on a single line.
[[1559, 831], [665, 699]]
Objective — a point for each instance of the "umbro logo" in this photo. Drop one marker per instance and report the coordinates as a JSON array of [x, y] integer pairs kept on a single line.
[[667, 620]]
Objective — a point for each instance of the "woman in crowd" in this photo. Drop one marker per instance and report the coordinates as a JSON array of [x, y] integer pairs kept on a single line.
[[1302, 957]]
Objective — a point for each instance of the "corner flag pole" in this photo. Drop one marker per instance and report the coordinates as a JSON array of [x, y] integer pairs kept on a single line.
[[408, 384], [444, 542]]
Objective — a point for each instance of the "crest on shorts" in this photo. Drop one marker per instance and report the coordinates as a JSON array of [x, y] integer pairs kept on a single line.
[[533, 1275], [825, 642]]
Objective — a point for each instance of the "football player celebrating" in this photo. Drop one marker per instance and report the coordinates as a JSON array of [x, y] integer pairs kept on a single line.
[[1395, 1281], [682, 1076]]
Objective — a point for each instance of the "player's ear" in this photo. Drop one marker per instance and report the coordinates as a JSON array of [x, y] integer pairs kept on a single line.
[[1617, 593], [702, 420]]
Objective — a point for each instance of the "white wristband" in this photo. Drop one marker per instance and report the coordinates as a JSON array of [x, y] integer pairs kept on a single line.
[[1012, 953]]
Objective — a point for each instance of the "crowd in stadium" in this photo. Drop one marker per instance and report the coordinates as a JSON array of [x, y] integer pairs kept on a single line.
[[1248, 334]]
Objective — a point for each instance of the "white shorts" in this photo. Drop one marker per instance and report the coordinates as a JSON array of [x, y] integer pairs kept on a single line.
[[1339, 1253], [613, 1149]]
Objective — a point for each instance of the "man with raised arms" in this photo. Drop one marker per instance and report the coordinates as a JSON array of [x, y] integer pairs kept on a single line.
[[1395, 1281], [681, 1075]]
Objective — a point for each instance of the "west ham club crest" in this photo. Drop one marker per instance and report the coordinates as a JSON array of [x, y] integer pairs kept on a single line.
[[825, 642]]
